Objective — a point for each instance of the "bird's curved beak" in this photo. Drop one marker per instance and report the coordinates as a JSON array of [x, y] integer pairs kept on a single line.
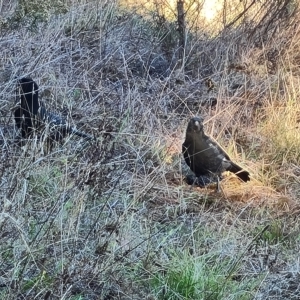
[[197, 125]]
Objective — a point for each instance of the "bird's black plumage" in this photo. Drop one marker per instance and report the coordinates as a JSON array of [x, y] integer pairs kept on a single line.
[[204, 156], [27, 111], [32, 115]]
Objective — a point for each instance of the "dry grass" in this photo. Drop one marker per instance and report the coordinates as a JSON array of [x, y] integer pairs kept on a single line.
[[116, 220]]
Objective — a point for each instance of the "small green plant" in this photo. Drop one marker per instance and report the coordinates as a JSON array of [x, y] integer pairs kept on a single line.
[[44, 183], [77, 297], [41, 279], [203, 277], [274, 234], [176, 283]]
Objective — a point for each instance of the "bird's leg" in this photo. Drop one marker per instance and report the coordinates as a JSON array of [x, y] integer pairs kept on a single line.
[[219, 178], [218, 184], [203, 181], [195, 181]]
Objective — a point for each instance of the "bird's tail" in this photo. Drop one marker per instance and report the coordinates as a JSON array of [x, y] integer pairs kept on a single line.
[[238, 171], [61, 127], [82, 134]]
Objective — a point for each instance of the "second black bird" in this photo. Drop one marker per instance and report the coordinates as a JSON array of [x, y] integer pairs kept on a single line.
[[32, 115], [204, 156]]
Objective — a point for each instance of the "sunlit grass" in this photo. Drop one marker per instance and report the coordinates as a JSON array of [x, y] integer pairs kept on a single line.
[[281, 126], [116, 219]]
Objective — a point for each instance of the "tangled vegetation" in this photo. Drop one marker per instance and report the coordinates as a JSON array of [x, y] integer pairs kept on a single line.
[[116, 219]]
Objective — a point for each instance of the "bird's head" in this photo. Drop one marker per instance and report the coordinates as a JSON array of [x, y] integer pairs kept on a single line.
[[27, 94], [195, 125], [28, 86]]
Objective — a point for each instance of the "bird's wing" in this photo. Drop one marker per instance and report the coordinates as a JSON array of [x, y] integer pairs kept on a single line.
[[186, 154], [218, 148]]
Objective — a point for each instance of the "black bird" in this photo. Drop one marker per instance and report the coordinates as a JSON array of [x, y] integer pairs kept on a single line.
[[31, 114], [26, 115], [204, 156]]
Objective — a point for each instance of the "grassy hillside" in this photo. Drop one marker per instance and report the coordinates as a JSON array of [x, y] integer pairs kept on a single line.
[[115, 219]]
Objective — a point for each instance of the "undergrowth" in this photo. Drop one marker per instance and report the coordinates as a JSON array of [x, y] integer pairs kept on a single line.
[[115, 219]]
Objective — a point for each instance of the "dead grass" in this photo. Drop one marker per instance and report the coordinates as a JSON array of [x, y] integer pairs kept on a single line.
[[116, 220]]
